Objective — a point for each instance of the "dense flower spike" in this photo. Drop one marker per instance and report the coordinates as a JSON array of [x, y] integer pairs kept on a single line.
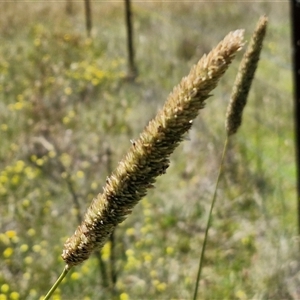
[[148, 156], [244, 78]]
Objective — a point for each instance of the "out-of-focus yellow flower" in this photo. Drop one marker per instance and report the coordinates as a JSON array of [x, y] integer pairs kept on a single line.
[[4, 288], [124, 296], [3, 127], [129, 252], [36, 248], [37, 42], [8, 252], [130, 231], [65, 159], [169, 250], [30, 172], [28, 260], [25, 203], [15, 180], [75, 276], [161, 287], [68, 91], [39, 162], [10, 233], [33, 293], [147, 257], [4, 239], [106, 251], [24, 248], [3, 177], [94, 185], [31, 232], [241, 295], [51, 153], [79, 174], [19, 166]]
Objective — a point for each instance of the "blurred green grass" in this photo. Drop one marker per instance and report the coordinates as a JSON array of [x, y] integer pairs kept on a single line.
[[67, 117]]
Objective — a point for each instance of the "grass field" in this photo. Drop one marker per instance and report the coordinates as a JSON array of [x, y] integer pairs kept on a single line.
[[67, 115]]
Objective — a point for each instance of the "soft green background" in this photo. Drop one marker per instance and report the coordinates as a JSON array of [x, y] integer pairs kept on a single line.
[[67, 115]]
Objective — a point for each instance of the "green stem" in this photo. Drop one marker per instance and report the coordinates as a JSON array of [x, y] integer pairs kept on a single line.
[[58, 281], [209, 221]]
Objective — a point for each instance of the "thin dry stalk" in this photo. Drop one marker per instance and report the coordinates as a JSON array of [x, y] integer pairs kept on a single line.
[[148, 156], [244, 78], [132, 69]]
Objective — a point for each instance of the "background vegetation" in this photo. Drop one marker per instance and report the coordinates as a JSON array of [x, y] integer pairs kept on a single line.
[[67, 115]]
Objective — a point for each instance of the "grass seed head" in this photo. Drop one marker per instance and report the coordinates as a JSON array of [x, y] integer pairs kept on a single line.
[[244, 78], [148, 157]]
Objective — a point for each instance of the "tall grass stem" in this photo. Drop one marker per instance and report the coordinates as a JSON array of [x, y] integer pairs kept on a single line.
[[57, 283], [200, 266]]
